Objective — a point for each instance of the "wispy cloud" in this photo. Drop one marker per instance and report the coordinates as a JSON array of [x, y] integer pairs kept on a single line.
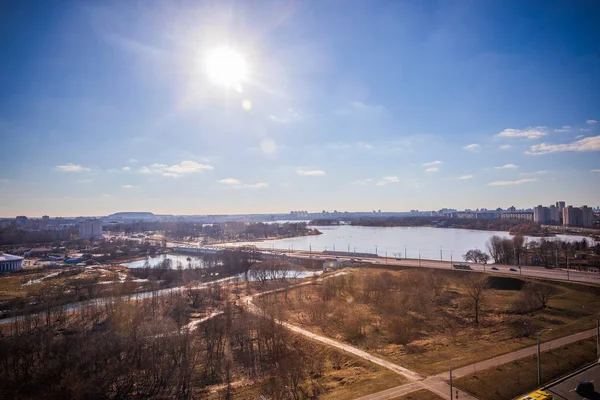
[[183, 168], [565, 128], [540, 172], [507, 166], [587, 144], [465, 177], [472, 147], [511, 183], [505, 147], [126, 168], [133, 160], [70, 167], [229, 181], [528, 133], [311, 172], [3, 180], [85, 181], [235, 183], [288, 117], [594, 170], [363, 181], [432, 163], [127, 186], [432, 169], [386, 180], [591, 122], [105, 195]]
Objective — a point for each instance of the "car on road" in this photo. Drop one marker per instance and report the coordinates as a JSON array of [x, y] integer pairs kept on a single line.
[[513, 270], [495, 268]]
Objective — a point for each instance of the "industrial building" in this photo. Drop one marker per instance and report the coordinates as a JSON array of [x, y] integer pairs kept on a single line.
[[10, 263]]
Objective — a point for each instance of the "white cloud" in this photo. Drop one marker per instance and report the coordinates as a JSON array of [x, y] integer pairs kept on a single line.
[[507, 166], [465, 177], [268, 146], [312, 172], [105, 195], [85, 181], [529, 133], [183, 168], [505, 147], [565, 128], [540, 172], [229, 181], [431, 164], [591, 122], [288, 117], [258, 185], [126, 168], [472, 147], [586, 129], [588, 144], [594, 170], [133, 160], [432, 169], [511, 183], [70, 167], [127, 186], [363, 181], [386, 180]]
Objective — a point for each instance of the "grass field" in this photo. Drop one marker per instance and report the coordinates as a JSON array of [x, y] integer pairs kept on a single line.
[[441, 327], [520, 377]]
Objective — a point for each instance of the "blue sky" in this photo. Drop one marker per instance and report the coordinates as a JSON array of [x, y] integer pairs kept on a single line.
[[350, 105]]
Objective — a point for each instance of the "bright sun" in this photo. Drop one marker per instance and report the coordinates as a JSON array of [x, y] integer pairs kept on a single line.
[[226, 67]]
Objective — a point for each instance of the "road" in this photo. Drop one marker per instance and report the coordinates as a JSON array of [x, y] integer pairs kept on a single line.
[[529, 271]]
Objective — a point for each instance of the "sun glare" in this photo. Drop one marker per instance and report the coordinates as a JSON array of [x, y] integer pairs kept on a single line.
[[226, 67]]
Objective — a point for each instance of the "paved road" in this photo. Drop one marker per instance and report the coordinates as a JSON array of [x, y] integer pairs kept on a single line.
[[537, 272]]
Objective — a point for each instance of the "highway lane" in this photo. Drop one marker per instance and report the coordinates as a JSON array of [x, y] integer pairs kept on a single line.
[[529, 271]]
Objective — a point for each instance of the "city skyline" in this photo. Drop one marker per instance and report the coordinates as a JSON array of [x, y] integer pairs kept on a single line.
[[382, 106]]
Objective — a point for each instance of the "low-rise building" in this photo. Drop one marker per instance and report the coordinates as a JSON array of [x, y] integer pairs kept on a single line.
[[10, 263], [518, 215]]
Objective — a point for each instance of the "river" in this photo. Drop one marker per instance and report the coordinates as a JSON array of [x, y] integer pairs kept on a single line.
[[426, 242]]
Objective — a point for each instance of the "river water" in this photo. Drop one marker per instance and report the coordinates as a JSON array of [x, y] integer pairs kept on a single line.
[[426, 242]]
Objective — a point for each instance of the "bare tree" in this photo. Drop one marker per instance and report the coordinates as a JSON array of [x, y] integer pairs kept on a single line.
[[476, 290]]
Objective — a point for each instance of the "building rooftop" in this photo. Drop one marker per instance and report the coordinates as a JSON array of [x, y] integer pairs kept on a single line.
[[8, 257]]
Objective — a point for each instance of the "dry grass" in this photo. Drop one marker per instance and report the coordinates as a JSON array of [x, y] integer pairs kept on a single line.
[[422, 394], [510, 380], [351, 377], [448, 332]]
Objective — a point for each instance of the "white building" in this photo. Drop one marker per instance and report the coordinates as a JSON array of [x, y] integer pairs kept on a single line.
[[90, 229], [10, 263]]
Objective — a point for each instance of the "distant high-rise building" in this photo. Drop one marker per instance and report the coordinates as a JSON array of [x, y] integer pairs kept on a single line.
[[572, 216], [560, 205], [45, 221], [90, 229], [587, 217], [539, 215], [21, 221]]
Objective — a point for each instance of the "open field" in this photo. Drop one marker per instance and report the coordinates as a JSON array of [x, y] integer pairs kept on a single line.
[[519, 377], [420, 319]]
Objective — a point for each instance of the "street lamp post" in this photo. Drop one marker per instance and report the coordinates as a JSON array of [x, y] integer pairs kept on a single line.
[[451, 393], [539, 362], [405, 252]]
